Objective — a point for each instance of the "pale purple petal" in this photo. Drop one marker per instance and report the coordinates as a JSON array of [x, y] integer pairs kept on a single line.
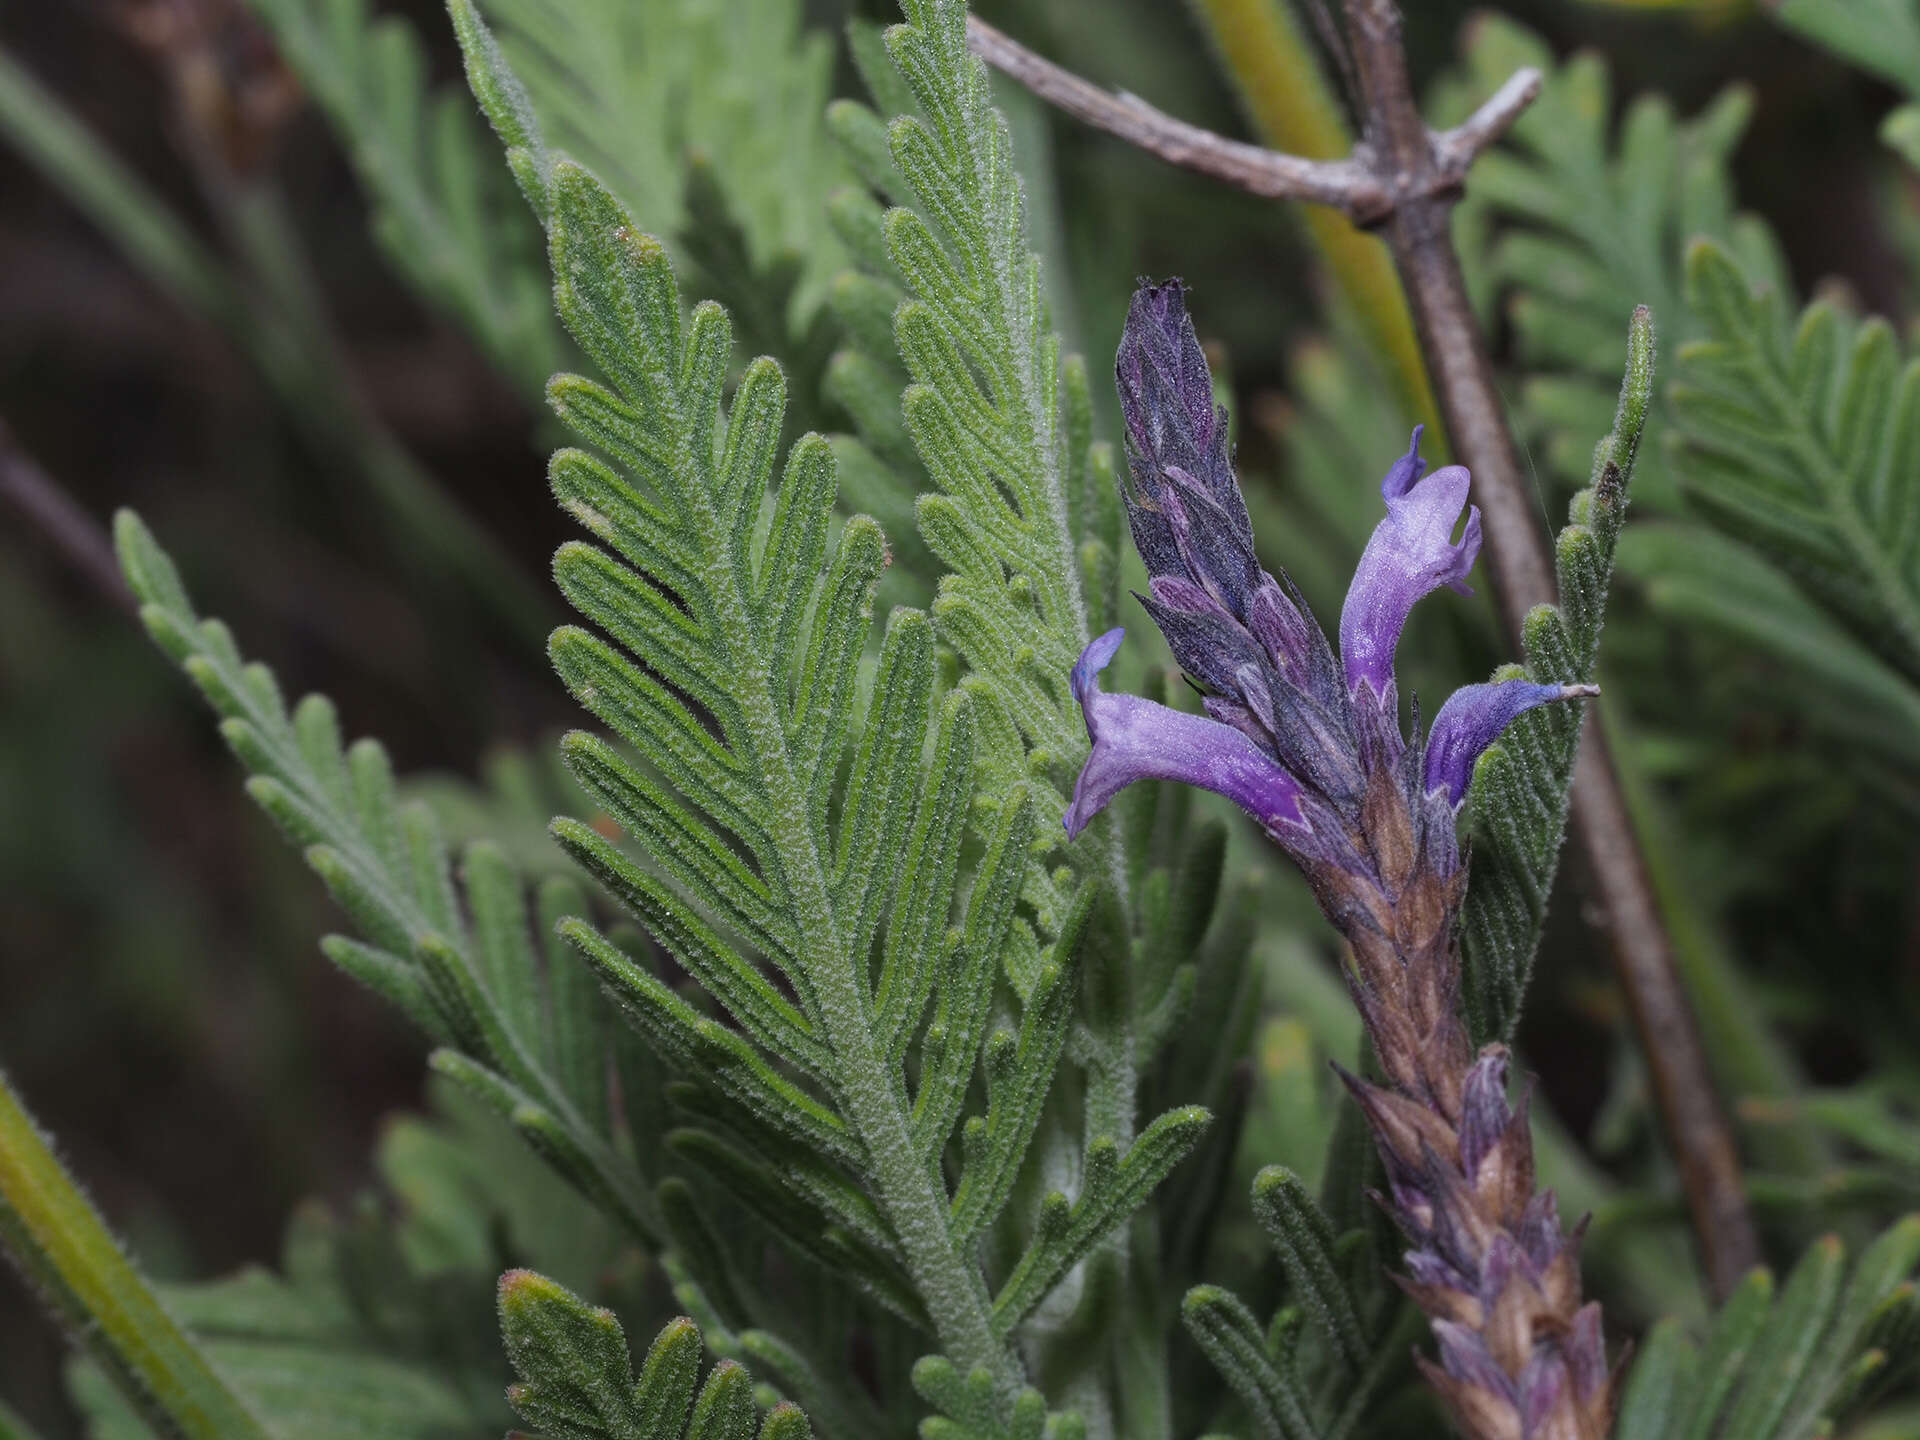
[[1407, 469], [1473, 718], [1412, 553], [1135, 739]]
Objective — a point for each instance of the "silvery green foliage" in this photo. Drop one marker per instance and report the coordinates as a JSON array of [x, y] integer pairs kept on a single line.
[[1801, 438], [1570, 223], [434, 188], [990, 450], [1789, 1366], [1603, 223], [577, 1381], [811, 1089], [849, 842], [1517, 806], [774, 666], [515, 1013], [635, 91], [966, 1408], [797, 810], [1567, 227], [1339, 1344], [1024, 512], [519, 1019]]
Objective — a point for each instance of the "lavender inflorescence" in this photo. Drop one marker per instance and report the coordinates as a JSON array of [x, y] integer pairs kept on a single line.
[[1310, 744]]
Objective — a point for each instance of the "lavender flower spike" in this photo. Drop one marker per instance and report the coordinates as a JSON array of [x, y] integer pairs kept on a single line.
[[1312, 746]]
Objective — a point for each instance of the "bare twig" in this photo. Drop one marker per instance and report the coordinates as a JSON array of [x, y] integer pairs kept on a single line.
[[1359, 187], [1403, 178], [1343, 184], [1455, 150], [74, 533]]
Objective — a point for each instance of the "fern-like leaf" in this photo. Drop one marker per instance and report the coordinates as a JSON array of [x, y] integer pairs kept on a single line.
[[764, 888], [577, 1383], [1785, 1367], [967, 1408], [467, 977], [1339, 1343], [1520, 787], [1694, 575], [767, 637], [999, 424], [768, 777], [1570, 224], [645, 95], [1802, 438]]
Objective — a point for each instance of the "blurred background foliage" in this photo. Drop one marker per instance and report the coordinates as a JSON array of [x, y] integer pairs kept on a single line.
[[301, 352]]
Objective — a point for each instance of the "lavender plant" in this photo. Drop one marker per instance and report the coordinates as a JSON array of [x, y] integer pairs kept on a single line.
[[1311, 746], [831, 1060]]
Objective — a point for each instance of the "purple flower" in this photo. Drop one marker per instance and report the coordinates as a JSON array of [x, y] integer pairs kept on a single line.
[[1310, 744], [1295, 735], [1134, 738]]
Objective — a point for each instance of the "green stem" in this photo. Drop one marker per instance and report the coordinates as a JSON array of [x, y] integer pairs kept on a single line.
[[1287, 101], [63, 1247], [872, 1091]]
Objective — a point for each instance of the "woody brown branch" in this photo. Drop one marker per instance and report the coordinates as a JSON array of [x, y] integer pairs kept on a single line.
[[1403, 179], [1360, 187]]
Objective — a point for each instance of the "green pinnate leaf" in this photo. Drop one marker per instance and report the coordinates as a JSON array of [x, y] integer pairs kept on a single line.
[[1785, 1366], [1521, 786], [1232, 1339], [469, 977], [577, 1382], [1799, 438], [1303, 1238], [1113, 1185]]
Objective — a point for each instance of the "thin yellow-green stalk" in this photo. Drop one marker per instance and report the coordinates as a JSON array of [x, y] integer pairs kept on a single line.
[[66, 1252]]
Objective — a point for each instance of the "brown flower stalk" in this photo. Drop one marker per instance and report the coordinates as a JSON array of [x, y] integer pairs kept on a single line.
[[1521, 1358], [1310, 744]]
